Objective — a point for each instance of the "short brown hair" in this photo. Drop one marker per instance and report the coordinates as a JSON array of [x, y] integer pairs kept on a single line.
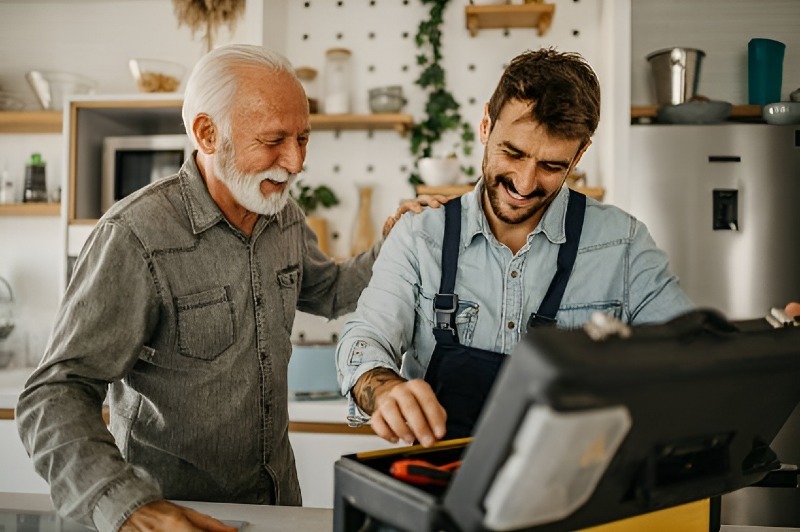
[[561, 86]]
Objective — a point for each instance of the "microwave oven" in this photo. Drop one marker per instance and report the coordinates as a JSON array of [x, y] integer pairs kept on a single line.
[[131, 162]]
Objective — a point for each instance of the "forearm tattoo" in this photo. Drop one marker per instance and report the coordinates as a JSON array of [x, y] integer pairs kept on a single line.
[[364, 392]]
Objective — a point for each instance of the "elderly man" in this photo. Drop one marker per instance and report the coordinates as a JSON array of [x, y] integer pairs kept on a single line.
[[181, 307], [455, 288]]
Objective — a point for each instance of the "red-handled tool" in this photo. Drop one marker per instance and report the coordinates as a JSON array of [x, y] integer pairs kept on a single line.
[[423, 473]]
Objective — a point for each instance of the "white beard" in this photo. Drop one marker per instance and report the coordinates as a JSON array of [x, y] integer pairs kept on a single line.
[[246, 188]]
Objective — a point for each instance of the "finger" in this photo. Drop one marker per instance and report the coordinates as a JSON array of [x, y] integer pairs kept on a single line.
[[396, 421], [416, 420], [432, 409], [206, 522], [380, 428]]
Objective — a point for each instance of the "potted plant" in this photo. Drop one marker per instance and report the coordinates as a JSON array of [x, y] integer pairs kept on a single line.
[[441, 108], [208, 16], [310, 199]]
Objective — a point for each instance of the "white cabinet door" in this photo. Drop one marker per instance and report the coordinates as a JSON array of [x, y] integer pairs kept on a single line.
[[18, 474], [315, 455]]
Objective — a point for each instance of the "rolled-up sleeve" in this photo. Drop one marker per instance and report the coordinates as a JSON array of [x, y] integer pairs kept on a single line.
[[382, 328]]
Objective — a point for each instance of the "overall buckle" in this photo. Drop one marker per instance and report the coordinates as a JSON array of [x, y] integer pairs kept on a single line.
[[444, 309]]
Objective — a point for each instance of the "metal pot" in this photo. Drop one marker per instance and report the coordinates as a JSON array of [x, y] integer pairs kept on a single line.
[[676, 72]]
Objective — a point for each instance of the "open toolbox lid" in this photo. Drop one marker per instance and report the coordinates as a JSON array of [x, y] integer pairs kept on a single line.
[[578, 432]]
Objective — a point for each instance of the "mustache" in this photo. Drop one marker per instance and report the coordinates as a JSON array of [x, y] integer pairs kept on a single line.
[[535, 193], [276, 175]]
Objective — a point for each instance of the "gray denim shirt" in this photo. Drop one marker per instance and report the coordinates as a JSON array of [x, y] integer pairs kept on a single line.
[[186, 323], [618, 270]]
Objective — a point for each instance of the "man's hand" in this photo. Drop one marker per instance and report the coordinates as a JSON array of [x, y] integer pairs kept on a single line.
[[166, 516], [400, 409], [415, 205], [793, 309]]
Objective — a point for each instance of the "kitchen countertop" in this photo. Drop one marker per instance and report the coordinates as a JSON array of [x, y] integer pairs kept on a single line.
[[13, 380], [36, 512]]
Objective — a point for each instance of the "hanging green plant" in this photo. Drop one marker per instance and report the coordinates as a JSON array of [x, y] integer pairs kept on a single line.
[[441, 109]]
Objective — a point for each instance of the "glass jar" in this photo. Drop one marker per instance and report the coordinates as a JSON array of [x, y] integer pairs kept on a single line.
[[307, 77], [337, 81]]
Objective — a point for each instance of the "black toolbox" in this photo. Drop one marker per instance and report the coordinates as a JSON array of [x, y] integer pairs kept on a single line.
[[578, 432]]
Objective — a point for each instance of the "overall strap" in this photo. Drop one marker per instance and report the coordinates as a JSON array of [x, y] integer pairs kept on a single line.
[[445, 303], [567, 252]]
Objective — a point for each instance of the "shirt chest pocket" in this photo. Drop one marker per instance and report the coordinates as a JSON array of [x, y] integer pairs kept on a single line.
[[288, 283], [205, 323], [573, 316], [466, 316]]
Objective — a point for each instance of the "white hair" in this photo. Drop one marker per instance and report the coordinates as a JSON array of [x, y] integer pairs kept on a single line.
[[212, 83]]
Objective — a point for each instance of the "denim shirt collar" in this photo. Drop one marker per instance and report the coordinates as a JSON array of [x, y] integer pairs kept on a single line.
[[552, 223], [204, 212]]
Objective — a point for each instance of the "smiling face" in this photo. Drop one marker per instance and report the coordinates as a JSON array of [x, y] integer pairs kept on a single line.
[[266, 146], [524, 167]]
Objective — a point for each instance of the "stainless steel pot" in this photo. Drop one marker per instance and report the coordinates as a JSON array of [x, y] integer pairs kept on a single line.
[[676, 72]]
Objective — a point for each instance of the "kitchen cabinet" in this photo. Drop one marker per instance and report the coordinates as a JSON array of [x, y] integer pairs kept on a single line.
[[532, 14], [18, 474]]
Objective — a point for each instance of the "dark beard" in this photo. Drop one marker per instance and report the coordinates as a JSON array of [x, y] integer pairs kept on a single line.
[[517, 216]]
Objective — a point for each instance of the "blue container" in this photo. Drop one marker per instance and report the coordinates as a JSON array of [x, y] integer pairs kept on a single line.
[[764, 71]]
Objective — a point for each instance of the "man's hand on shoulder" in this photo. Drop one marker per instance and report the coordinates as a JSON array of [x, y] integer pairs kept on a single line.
[[400, 409], [166, 516], [414, 205]]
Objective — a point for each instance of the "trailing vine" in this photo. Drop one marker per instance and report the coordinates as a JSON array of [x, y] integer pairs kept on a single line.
[[441, 108]]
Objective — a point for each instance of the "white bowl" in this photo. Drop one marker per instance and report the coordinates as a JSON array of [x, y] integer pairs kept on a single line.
[[156, 75], [782, 113], [437, 171], [51, 88]]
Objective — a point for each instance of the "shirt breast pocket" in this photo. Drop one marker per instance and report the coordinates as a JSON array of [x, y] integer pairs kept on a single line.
[[288, 282], [575, 315], [466, 316], [205, 323]]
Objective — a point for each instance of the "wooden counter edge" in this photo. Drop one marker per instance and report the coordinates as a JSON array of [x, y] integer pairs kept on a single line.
[[314, 427]]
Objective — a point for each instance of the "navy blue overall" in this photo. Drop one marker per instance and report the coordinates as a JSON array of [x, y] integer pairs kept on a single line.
[[462, 376]]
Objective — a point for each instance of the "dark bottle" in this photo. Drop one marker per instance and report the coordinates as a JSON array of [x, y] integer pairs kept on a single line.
[[35, 180]]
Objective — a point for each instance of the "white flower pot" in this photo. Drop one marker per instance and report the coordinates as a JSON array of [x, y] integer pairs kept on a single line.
[[437, 171]]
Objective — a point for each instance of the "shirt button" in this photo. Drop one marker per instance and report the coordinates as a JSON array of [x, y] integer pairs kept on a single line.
[[511, 325], [514, 274]]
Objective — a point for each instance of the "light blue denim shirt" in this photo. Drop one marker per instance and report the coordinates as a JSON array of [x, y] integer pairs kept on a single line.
[[618, 270]]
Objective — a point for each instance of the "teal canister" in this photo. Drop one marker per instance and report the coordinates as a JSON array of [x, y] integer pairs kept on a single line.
[[764, 71], [35, 180]]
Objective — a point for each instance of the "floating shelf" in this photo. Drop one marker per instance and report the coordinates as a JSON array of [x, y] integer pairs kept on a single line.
[[456, 190], [399, 122], [30, 209], [737, 111], [50, 121], [30, 121], [537, 15]]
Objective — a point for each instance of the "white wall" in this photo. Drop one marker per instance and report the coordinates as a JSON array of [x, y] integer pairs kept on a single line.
[[722, 29]]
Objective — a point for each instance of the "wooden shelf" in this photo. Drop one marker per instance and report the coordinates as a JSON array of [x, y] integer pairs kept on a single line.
[[456, 190], [30, 121], [50, 121], [30, 209], [737, 111], [535, 14], [399, 122]]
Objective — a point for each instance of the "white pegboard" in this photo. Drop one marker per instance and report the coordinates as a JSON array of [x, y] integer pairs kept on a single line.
[[380, 34]]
